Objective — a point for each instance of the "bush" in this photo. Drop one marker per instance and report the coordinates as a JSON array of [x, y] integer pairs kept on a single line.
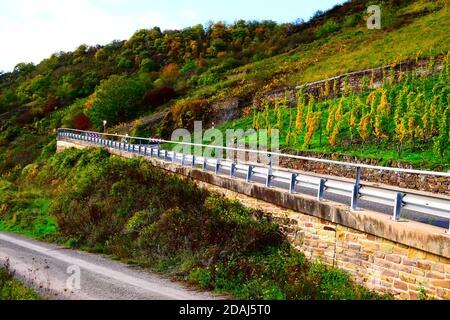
[[80, 122], [329, 27], [185, 112]]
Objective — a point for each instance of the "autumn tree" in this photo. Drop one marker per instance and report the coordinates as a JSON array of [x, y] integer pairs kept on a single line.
[[299, 118], [441, 142]]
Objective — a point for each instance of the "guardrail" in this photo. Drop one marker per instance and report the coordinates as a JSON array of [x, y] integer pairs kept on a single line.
[[438, 206]]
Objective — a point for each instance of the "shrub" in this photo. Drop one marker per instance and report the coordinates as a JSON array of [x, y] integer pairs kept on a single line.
[[329, 27], [50, 105], [185, 112], [80, 122]]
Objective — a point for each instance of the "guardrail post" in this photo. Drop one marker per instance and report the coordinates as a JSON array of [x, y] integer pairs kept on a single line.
[[358, 176], [217, 166], [249, 173], [398, 206], [204, 163], [269, 179], [159, 151], [139, 150], [232, 169], [166, 155], [183, 158], [321, 189], [355, 196], [269, 173], [174, 157], [193, 161], [293, 183]]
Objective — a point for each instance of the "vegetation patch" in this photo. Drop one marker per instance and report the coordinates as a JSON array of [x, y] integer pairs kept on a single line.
[[136, 212], [11, 289]]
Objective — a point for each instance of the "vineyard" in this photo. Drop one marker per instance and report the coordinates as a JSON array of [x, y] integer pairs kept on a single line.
[[405, 119]]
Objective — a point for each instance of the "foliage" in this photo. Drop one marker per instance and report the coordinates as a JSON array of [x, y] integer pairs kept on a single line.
[[80, 122], [327, 28], [185, 112], [117, 99], [159, 96]]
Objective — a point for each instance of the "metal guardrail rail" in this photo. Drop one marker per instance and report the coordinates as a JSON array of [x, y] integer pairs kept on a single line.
[[438, 206]]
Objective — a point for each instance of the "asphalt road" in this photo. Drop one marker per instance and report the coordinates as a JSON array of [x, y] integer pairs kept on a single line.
[[64, 274]]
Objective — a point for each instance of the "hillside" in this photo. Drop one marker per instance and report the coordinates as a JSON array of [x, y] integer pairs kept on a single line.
[[332, 87], [183, 74]]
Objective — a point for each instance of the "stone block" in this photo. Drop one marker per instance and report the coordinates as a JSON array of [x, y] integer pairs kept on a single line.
[[416, 254], [407, 278], [386, 247], [435, 275], [400, 285], [424, 265], [393, 258], [441, 283]]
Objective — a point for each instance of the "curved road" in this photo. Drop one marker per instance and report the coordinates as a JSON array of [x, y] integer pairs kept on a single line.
[[64, 274]]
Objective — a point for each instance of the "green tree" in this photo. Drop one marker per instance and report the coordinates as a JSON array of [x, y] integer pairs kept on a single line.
[[117, 99], [441, 142]]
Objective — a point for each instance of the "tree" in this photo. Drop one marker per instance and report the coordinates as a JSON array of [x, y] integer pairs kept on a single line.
[[311, 126], [381, 118], [364, 128], [117, 99], [352, 123], [401, 133], [338, 123], [299, 117], [441, 142]]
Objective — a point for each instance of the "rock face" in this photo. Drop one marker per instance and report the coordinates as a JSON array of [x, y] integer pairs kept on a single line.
[[226, 110]]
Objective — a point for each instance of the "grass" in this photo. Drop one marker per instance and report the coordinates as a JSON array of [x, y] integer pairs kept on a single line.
[[11, 289], [27, 213]]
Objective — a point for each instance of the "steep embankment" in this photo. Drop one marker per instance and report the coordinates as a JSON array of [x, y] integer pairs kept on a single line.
[[138, 213]]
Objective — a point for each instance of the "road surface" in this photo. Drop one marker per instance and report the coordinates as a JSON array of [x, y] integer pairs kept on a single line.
[[64, 274]]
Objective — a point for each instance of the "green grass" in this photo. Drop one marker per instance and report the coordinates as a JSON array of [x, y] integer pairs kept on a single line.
[[11, 289], [27, 213]]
